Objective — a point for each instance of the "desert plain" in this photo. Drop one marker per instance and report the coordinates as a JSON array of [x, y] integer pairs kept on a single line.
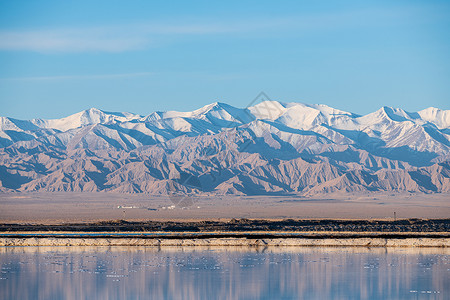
[[56, 208]]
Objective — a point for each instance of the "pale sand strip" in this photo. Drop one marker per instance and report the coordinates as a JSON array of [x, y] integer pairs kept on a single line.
[[358, 242]]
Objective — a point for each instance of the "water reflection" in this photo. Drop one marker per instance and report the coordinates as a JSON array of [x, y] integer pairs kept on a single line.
[[223, 273]]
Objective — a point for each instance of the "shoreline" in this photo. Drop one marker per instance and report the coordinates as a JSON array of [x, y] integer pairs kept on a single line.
[[234, 232], [212, 239], [229, 242]]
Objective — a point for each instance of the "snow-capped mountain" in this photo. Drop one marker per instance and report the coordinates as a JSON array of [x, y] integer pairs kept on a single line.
[[87, 117], [271, 147]]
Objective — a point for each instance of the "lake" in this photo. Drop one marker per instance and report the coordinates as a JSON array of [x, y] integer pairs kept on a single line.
[[224, 273]]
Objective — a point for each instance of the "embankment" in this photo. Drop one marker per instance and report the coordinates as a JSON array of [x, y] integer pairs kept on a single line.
[[260, 239]]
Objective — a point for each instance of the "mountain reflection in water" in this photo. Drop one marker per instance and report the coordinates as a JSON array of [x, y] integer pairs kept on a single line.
[[223, 273]]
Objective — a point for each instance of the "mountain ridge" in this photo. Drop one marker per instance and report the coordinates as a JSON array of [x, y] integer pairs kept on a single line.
[[269, 148]]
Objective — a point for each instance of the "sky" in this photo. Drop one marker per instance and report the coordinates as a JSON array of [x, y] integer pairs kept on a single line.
[[61, 57]]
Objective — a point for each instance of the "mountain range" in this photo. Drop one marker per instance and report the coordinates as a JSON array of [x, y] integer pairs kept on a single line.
[[270, 148]]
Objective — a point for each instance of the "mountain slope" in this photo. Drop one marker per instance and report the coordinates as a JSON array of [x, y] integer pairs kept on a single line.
[[269, 148]]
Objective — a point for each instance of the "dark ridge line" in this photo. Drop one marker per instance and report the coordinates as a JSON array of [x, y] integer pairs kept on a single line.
[[228, 235], [241, 225]]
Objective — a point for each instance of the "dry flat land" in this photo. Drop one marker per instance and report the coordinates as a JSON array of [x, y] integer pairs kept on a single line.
[[84, 219], [56, 208]]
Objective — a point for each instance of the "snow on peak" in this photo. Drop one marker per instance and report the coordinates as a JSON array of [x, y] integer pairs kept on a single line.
[[327, 110], [217, 116], [300, 115], [216, 113], [89, 116], [17, 125], [441, 118], [268, 110], [386, 115]]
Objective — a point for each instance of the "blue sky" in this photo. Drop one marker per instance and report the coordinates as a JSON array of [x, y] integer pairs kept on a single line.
[[60, 57]]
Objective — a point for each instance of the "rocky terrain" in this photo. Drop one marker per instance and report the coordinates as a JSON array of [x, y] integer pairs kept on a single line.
[[243, 225], [268, 148]]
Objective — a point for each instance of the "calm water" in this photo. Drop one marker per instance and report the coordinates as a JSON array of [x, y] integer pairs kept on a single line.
[[223, 273]]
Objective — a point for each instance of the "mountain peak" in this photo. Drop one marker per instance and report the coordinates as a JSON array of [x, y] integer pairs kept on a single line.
[[441, 118], [85, 117], [93, 109], [220, 114], [211, 106], [263, 151]]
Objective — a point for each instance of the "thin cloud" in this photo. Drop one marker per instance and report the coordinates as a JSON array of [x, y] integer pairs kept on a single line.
[[103, 39], [128, 37], [82, 77], [133, 37], [70, 41]]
